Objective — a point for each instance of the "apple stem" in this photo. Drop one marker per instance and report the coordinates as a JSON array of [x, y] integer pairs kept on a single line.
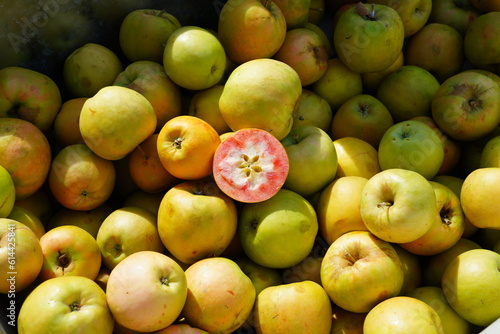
[[384, 204], [178, 143], [165, 281], [74, 306], [350, 257], [363, 11], [163, 11]]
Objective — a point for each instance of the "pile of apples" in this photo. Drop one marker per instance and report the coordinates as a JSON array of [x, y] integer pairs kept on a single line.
[[272, 176]]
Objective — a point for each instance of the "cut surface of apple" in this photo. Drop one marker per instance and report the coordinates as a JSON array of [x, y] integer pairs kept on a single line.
[[250, 166]]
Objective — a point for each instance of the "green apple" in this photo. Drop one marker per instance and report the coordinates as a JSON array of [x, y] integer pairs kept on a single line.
[[411, 145], [71, 303], [29, 95], [470, 284], [126, 231], [408, 92], [398, 205], [144, 32], [262, 277], [402, 314], [312, 159], [115, 120], [450, 320], [275, 309], [360, 270], [194, 58], [458, 14], [205, 105], [278, 232], [89, 68], [490, 156], [146, 291], [8, 193], [296, 12], [482, 50], [312, 109], [28, 218], [369, 37]]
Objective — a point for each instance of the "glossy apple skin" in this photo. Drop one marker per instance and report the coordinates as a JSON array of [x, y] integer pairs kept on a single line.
[[29, 95]]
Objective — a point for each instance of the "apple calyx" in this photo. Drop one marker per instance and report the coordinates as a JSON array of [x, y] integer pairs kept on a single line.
[[63, 260], [75, 306], [445, 216], [364, 12], [165, 281], [177, 143], [471, 94], [351, 258], [385, 204]]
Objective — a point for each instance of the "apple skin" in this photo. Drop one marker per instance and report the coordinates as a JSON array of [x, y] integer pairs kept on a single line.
[[447, 228], [69, 251], [437, 48], [61, 295], [312, 159], [194, 58], [490, 156], [205, 105], [371, 80], [40, 203], [26, 154], [273, 306], [412, 269], [278, 232], [345, 322], [305, 51], [28, 256], [312, 109], [360, 270], [7, 193], [482, 50], [458, 14], [470, 285], [144, 32], [400, 314], [356, 157], [398, 205], [89, 68], [66, 123], [29, 95], [28, 218], [181, 329], [369, 45], [250, 29], [262, 277], [150, 80], [478, 197], [467, 93], [411, 145], [450, 320], [296, 12]]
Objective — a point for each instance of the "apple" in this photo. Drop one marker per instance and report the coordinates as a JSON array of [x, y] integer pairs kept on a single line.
[[412, 269], [400, 314], [371, 80], [447, 228], [316, 11], [490, 156], [309, 269], [261, 93], [262, 277], [338, 207], [196, 220], [125, 231], [360, 270], [312, 160], [71, 303], [369, 38], [146, 168], [408, 92], [458, 14], [150, 80], [470, 285], [67, 122], [347, 322], [251, 29], [411, 145], [478, 196], [355, 157], [450, 320], [321, 33], [8, 193], [144, 32], [142, 199], [106, 121], [194, 58], [146, 291], [305, 51], [362, 116], [186, 146], [278, 232], [69, 251], [296, 12], [90, 68], [413, 13], [398, 205], [437, 48], [29, 95], [79, 179], [205, 105], [338, 84], [312, 109], [275, 309], [26, 154], [181, 329], [250, 165], [220, 297], [28, 218], [465, 106], [20, 255]]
